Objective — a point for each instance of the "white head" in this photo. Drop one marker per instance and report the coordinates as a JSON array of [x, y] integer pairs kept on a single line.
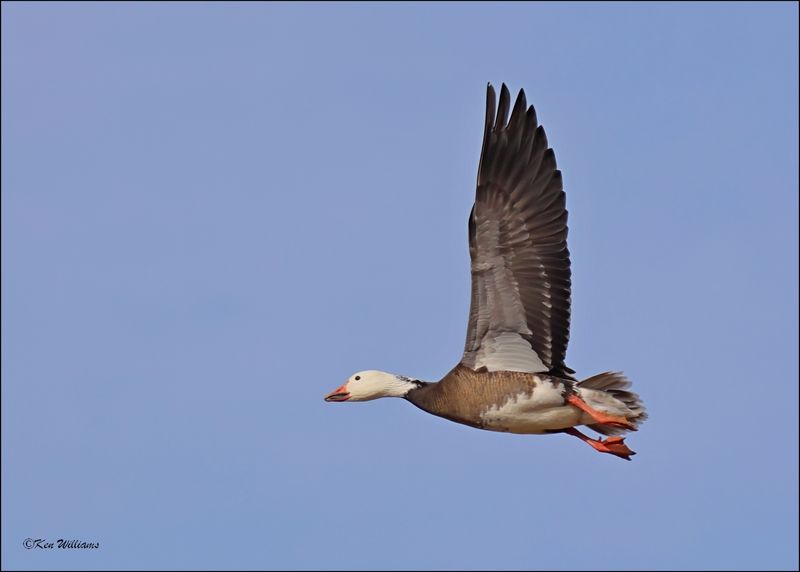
[[372, 384]]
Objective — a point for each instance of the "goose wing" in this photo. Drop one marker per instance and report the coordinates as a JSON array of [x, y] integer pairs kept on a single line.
[[520, 307]]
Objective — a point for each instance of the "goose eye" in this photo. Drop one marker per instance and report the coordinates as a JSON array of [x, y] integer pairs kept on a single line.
[[357, 377]]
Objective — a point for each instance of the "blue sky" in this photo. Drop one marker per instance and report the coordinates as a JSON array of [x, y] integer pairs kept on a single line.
[[213, 214]]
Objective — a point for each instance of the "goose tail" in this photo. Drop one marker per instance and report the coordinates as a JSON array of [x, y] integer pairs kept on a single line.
[[610, 392]]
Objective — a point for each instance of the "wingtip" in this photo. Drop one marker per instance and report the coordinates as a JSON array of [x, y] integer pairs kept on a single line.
[[518, 113], [491, 94], [503, 105], [504, 89]]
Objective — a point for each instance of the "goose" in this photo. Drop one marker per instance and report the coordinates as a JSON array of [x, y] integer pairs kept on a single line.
[[512, 376]]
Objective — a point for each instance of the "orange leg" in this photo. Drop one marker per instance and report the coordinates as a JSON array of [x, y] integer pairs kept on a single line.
[[599, 416], [614, 445]]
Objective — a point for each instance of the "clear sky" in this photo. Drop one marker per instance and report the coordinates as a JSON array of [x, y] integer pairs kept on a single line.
[[213, 214]]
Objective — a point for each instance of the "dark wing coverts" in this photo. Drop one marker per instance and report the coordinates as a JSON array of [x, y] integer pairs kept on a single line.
[[520, 308]]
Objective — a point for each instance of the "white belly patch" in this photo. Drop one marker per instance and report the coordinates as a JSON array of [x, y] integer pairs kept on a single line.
[[537, 411]]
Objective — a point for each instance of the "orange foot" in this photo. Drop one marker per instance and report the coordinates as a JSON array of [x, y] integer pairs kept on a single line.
[[614, 445], [599, 416]]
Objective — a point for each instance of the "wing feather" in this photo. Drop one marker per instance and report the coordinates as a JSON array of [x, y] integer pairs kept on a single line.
[[521, 277]]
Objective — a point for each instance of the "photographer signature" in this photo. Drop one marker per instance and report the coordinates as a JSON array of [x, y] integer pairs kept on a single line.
[[44, 544]]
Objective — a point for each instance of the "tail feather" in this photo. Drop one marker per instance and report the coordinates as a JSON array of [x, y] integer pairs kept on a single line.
[[616, 385]]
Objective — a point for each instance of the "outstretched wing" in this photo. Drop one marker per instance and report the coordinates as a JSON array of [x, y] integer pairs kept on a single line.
[[520, 309]]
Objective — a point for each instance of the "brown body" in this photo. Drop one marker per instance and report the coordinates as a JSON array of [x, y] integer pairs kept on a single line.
[[465, 396]]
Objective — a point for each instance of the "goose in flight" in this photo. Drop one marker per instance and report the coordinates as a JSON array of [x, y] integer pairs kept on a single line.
[[512, 376]]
